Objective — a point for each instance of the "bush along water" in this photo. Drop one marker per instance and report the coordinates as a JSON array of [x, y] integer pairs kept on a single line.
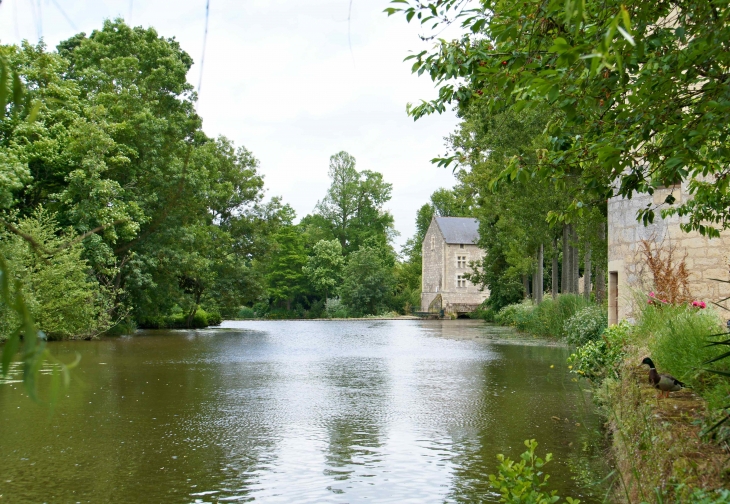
[[546, 319], [524, 481], [659, 451], [586, 325]]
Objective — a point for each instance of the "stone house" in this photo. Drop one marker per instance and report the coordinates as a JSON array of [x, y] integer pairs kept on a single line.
[[628, 276], [447, 249]]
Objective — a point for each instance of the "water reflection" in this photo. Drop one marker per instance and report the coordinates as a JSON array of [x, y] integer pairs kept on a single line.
[[298, 412]]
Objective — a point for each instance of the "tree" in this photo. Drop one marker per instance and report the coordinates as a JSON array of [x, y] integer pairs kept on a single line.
[[353, 207], [324, 268], [116, 145], [641, 88], [368, 278], [284, 277], [63, 299]]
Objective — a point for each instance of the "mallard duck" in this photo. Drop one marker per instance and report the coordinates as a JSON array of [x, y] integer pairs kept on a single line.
[[664, 383]]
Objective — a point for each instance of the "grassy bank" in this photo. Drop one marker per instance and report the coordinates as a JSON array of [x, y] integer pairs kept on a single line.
[[570, 316], [663, 449]]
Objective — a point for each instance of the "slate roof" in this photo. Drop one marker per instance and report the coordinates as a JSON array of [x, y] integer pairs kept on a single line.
[[459, 229]]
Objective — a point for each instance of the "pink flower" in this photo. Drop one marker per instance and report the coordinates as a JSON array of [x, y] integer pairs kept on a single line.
[[651, 293]]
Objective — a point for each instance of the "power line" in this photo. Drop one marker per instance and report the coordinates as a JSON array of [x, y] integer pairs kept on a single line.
[[58, 6], [349, 39], [205, 41]]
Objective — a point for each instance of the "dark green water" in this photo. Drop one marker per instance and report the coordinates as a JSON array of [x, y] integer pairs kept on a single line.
[[382, 411]]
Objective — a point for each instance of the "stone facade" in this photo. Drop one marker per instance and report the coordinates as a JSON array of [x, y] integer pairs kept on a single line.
[[445, 259], [629, 279]]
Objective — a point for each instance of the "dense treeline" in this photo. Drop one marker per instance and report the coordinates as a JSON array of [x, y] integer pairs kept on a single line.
[[339, 261], [118, 211], [116, 148]]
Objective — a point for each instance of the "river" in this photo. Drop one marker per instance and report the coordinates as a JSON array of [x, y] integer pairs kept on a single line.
[[299, 411]]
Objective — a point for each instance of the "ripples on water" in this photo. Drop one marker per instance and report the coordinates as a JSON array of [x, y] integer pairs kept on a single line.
[[315, 412]]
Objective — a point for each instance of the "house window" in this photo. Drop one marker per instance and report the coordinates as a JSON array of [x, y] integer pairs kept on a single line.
[[433, 242], [460, 281], [461, 262], [461, 245]]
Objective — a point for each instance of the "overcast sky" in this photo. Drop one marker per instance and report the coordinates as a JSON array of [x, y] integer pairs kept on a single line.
[[281, 78]]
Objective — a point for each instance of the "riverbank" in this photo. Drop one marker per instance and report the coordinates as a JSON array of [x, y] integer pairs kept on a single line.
[[657, 445], [661, 449]]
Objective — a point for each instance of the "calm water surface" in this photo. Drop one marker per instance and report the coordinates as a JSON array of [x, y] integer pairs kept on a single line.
[[358, 411]]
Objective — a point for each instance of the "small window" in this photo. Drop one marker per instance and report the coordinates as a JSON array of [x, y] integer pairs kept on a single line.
[[460, 281], [461, 262], [461, 245], [433, 242]]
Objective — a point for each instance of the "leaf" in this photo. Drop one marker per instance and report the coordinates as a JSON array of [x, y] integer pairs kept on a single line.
[[626, 19], [719, 357]]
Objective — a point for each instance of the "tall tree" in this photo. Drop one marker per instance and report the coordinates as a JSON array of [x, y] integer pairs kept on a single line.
[[353, 207], [325, 266], [285, 278]]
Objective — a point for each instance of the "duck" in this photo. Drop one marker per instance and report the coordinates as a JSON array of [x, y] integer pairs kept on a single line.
[[664, 383]]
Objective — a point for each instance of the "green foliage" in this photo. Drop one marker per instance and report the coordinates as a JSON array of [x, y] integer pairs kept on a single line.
[[335, 309], [487, 314], [586, 325], [180, 320], [352, 210], [324, 267], [702, 496], [525, 482], [246, 313], [63, 299], [284, 275], [116, 147], [368, 280], [641, 101], [516, 315], [546, 319], [599, 359], [677, 340]]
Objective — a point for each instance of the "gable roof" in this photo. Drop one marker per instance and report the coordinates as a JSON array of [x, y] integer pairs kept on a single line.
[[458, 229]]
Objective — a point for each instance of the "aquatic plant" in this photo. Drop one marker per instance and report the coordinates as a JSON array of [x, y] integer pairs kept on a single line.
[[524, 482]]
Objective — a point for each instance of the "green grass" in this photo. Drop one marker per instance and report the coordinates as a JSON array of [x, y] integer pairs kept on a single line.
[[677, 338], [546, 319]]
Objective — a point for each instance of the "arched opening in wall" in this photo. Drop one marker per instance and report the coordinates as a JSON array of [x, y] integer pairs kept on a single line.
[[462, 315]]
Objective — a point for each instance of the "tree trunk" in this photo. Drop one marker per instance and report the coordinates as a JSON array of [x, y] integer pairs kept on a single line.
[[575, 260], [587, 273], [526, 285], [600, 273], [555, 269], [540, 273], [566, 262]]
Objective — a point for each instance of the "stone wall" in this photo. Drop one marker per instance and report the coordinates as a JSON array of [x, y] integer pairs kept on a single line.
[[440, 269], [705, 258]]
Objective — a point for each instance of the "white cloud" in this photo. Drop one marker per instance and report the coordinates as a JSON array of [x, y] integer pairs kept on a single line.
[[281, 78]]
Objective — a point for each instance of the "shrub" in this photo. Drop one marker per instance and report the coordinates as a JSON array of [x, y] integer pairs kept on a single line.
[[519, 482], [546, 319], [586, 325], [64, 299], [600, 359], [335, 309], [485, 314], [677, 338], [179, 320], [515, 315], [246, 313]]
